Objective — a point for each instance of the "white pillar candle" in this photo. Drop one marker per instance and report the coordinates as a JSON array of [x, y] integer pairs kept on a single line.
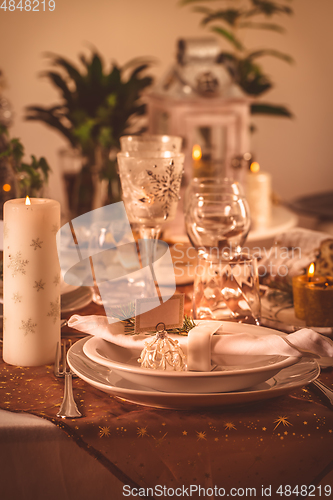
[[258, 192], [31, 267]]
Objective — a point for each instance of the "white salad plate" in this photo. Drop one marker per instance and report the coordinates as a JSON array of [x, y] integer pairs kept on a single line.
[[124, 362], [100, 377]]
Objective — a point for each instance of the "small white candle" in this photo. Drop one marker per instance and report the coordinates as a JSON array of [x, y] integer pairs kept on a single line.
[[258, 191], [31, 267]]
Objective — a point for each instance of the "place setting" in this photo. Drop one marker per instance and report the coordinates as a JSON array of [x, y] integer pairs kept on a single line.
[[213, 356]]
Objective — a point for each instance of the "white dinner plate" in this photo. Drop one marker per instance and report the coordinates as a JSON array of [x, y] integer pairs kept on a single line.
[[76, 299], [124, 362], [100, 377]]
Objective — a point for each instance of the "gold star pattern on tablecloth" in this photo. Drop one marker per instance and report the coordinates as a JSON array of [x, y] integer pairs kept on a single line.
[[281, 420], [197, 445], [104, 431]]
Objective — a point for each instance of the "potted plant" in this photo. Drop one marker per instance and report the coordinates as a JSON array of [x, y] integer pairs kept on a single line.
[[97, 107], [229, 20]]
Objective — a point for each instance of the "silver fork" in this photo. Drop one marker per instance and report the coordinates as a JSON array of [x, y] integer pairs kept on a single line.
[[68, 408]]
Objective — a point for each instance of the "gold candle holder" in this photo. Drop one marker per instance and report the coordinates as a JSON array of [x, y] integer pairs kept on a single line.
[[319, 303], [299, 292]]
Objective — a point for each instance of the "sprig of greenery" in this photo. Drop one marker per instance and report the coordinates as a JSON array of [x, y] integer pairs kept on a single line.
[[30, 177]]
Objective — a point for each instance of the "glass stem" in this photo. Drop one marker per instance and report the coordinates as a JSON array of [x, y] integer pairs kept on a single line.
[[150, 235]]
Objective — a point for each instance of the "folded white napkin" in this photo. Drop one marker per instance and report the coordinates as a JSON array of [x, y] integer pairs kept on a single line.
[[205, 345]]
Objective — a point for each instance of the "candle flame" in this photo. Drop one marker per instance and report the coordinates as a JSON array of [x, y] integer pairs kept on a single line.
[[196, 152], [27, 200], [311, 270], [254, 167]]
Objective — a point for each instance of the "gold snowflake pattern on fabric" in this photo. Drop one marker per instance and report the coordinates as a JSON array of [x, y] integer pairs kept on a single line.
[[54, 312], [201, 435], [39, 285], [17, 297], [104, 431], [36, 244], [17, 264], [28, 326]]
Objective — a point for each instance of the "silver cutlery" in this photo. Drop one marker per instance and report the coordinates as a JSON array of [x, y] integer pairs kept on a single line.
[[325, 391], [68, 408]]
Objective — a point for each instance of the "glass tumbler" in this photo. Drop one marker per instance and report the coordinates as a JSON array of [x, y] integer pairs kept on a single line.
[[227, 289]]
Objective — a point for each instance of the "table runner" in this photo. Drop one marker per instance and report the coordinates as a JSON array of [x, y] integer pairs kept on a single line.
[[283, 441]]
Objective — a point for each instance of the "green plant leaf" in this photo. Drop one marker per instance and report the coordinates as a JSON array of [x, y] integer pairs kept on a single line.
[[187, 2], [71, 70], [269, 8], [230, 16], [262, 26], [270, 109], [271, 52], [228, 36], [59, 82]]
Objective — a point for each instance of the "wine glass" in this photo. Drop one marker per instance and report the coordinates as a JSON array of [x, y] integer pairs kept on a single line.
[[113, 260], [150, 182], [151, 142], [217, 216]]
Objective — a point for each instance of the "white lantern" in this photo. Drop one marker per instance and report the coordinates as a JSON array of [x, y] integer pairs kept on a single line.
[[198, 101]]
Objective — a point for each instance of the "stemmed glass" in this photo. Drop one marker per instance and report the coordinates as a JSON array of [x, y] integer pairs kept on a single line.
[[217, 221], [151, 142], [150, 182], [217, 216]]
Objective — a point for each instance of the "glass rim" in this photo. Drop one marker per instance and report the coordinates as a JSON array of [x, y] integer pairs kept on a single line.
[[233, 259], [151, 137], [151, 154]]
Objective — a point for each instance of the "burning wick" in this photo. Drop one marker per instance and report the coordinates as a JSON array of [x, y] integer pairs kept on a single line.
[[27, 200], [254, 167], [196, 152], [311, 271]]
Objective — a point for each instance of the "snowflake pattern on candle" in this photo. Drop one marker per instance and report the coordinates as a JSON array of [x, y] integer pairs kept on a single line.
[[39, 285], [17, 264], [55, 228], [5, 230], [17, 297], [166, 187], [56, 280], [54, 312], [36, 244], [28, 326]]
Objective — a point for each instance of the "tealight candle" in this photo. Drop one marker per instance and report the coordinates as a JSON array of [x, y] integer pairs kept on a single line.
[[31, 327], [258, 191], [299, 284], [319, 303]]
